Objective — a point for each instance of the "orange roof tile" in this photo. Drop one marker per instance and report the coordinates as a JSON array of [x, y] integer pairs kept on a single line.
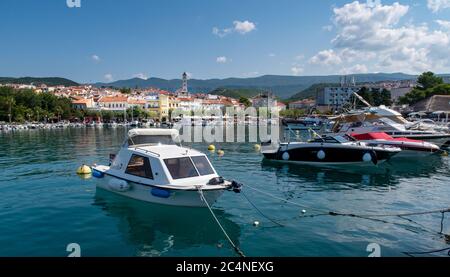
[[113, 99]]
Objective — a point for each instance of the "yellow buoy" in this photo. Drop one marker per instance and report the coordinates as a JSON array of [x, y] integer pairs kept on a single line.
[[257, 147], [84, 169], [220, 152], [211, 147], [445, 154]]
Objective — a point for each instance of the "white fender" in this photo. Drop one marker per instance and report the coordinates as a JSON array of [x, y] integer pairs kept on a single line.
[[321, 155], [118, 185], [367, 157], [285, 156]]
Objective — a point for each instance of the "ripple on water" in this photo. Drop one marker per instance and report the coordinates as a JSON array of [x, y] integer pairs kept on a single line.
[[45, 205]]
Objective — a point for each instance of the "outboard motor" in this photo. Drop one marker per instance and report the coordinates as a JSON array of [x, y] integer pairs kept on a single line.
[[236, 187]]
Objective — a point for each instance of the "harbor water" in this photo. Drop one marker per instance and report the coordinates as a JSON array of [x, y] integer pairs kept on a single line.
[[45, 206]]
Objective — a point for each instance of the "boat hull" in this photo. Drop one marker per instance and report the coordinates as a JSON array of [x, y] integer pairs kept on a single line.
[[332, 156], [185, 198]]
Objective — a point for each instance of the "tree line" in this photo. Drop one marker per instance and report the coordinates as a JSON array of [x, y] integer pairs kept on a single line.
[[428, 85], [20, 105]]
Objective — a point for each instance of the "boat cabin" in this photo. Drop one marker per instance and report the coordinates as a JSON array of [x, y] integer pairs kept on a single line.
[[152, 157]]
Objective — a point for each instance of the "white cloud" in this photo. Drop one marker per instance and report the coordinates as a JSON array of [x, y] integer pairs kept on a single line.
[[444, 24], [356, 69], [374, 35], [221, 32], [327, 28], [244, 27], [142, 76], [108, 77], [241, 27], [437, 5], [299, 57], [221, 59], [95, 58], [251, 74], [296, 70], [272, 55], [326, 57]]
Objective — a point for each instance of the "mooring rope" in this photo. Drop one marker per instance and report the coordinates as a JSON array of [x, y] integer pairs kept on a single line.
[[376, 217], [411, 254], [334, 213], [284, 200], [238, 251], [259, 211]]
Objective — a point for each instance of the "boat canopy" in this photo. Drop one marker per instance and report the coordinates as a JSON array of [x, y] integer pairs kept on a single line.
[[371, 136], [152, 136], [380, 136]]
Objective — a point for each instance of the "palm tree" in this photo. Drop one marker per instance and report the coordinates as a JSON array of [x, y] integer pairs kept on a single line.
[[10, 101]]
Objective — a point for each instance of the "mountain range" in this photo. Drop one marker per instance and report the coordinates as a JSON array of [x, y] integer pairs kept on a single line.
[[282, 86], [285, 87]]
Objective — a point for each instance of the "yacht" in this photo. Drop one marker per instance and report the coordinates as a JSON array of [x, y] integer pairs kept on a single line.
[[382, 119], [328, 151], [410, 148], [151, 167]]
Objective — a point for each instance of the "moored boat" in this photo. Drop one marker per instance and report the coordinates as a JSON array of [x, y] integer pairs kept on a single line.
[[410, 147], [328, 151], [151, 167]]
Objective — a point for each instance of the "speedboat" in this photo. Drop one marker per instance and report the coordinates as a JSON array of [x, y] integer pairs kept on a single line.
[[151, 167], [328, 151], [369, 123], [304, 124], [410, 147]]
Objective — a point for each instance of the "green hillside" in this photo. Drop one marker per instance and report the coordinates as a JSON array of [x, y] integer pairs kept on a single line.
[[311, 91], [236, 92], [49, 81]]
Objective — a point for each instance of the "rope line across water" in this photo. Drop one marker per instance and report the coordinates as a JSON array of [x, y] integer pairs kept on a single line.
[[238, 251]]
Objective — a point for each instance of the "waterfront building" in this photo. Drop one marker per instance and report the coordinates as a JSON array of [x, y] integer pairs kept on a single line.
[[141, 103], [83, 103], [163, 107], [113, 103], [335, 97], [264, 100], [302, 104], [281, 106]]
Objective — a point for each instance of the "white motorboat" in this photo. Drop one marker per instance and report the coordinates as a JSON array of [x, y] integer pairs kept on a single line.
[[410, 148], [151, 167]]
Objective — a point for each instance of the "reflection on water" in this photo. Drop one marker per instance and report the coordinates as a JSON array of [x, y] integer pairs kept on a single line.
[[338, 178], [158, 229], [45, 205]]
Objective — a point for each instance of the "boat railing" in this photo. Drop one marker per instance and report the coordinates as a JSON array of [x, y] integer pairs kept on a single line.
[[147, 151]]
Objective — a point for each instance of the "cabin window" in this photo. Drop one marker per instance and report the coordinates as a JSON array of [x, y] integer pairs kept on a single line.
[[181, 168], [139, 166], [203, 166]]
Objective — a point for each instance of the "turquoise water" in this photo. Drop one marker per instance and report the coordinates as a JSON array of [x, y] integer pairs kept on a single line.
[[45, 206]]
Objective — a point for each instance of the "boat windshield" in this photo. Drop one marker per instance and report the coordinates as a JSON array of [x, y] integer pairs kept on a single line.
[[181, 168], [187, 167], [154, 139], [333, 139]]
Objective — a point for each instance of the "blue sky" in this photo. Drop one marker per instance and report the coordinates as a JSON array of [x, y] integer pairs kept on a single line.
[[106, 40]]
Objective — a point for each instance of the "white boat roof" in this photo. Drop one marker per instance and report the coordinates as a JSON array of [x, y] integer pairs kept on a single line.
[[152, 132], [168, 151]]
